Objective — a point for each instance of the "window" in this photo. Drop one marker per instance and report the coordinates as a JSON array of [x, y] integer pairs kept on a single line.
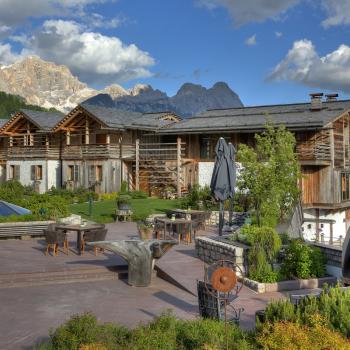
[[345, 188], [99, 173], [14, 172], [73, 173], [36, 172], [205, 147], [95, 173]]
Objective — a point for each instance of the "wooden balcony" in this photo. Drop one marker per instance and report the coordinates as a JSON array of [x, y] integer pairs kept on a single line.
[[98, 151], [25, 152], [315, 151]]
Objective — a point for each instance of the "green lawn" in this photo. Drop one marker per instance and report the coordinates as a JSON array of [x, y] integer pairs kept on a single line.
[[103, 211]]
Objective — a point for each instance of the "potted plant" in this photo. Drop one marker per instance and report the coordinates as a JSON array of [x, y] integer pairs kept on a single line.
[[123, 202], [145, 230]]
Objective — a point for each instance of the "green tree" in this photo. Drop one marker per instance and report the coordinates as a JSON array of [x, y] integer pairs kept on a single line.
[[270, 174]]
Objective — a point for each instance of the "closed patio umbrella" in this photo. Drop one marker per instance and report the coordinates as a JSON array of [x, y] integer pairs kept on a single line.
[[7, 209], [220, 184], [232, 153]]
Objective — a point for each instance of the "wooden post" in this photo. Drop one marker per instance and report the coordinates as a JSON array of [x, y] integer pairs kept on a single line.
[[108, 139], [331, 141], [87, 134], [137, 156], [331, 233], [178, 167], [68, 137], [318, 225], [11, 141]]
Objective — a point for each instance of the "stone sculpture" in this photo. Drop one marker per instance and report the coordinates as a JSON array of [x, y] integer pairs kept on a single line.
[[139, 255]]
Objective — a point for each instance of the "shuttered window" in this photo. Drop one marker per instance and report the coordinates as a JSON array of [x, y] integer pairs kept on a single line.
[[73, 173], [36, 172], [14, 172], [345, 186]]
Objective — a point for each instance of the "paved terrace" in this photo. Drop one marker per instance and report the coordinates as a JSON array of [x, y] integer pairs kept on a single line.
[[29, 311]]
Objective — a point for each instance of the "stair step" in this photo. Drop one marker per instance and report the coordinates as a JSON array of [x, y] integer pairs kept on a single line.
[[67, 276]]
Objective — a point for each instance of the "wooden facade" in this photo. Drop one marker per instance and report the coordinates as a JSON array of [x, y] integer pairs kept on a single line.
[[152, 151]]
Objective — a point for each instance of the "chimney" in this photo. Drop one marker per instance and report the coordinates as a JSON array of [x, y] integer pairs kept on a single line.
[[331, 97], [316, 101]]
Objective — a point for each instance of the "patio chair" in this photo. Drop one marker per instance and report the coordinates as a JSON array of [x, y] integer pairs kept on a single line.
[[53, 239], [93, 236]]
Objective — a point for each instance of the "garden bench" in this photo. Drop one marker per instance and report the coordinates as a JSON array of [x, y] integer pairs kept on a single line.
[[24, 229], [123, 215]]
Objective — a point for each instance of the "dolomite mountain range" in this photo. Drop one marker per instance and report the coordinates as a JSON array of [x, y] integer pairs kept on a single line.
[[47, 84]]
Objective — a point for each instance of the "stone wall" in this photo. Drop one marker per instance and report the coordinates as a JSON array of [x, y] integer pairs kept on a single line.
[[214, 217], [210, 250], [333, 254]]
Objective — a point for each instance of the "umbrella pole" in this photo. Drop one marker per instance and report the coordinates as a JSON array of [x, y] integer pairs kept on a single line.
[[221, 218], [231, 212]]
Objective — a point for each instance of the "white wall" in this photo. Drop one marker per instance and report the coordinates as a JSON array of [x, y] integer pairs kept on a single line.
[[205, 171], [25, 172], [53, 174], [339, 227]]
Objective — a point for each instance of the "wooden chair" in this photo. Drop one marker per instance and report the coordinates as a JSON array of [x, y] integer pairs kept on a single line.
[[53, 239], [93, 236]]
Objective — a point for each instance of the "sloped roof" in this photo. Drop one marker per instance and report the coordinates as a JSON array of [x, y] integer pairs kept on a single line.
[[112, 117], [116, 118], [44, 120], [298, 115]]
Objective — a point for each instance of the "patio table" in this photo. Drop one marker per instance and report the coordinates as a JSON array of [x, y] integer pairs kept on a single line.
[[79, 229], [192, 213], [177, 222]]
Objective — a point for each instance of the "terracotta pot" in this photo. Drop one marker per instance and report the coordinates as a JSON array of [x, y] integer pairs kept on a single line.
[[146, 233]]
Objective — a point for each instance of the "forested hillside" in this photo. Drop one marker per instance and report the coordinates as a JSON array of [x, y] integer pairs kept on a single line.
[[10, 104]]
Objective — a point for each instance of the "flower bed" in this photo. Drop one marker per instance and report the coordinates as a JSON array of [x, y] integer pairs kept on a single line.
[[296, 284]]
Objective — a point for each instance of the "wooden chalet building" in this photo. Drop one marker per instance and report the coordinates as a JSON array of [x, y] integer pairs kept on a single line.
[[99, 147], [30, 151]]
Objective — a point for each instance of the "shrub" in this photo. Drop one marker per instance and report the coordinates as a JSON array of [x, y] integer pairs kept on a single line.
[[82, 330], [293, 336], [197, 196], [303, 261], [333, 305], [265, 243], [109, 196], [163, 333], [18, 218], [138, 194]]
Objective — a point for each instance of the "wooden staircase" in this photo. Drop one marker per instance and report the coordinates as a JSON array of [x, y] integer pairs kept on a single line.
[[159, 165]]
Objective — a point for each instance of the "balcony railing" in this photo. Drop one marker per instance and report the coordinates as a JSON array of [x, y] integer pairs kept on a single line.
[[314, 150], [32, 152], [98, 151]]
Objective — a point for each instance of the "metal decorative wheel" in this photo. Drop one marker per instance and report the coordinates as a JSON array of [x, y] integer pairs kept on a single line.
[[222, 283]]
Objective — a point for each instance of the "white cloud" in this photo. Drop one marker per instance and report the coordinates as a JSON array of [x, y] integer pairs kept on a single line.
[[247, 11], [278, 34], [93, 57], [251, 41], [338, 12], [7, 56], [95, 20], [302, 64]]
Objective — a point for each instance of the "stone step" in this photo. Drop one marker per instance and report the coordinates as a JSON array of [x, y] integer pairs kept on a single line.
[[12, 280]]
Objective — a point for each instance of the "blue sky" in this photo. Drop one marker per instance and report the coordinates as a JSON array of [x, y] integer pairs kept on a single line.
[[268, 51]]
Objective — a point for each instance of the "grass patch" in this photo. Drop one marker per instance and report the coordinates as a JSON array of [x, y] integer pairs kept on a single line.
[[103, 211]]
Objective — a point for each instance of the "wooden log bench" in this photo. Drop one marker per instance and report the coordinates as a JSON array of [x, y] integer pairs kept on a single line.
[[24, 229]]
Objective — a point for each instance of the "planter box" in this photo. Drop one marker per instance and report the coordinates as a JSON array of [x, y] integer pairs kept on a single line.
[[22, 229], [310, 283]]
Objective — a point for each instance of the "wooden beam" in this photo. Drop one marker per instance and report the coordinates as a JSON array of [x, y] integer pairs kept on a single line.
[[137, 156], [87, 135]]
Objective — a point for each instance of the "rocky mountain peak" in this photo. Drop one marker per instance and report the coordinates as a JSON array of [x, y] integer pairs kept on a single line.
[[47, 84], [140, 89]]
